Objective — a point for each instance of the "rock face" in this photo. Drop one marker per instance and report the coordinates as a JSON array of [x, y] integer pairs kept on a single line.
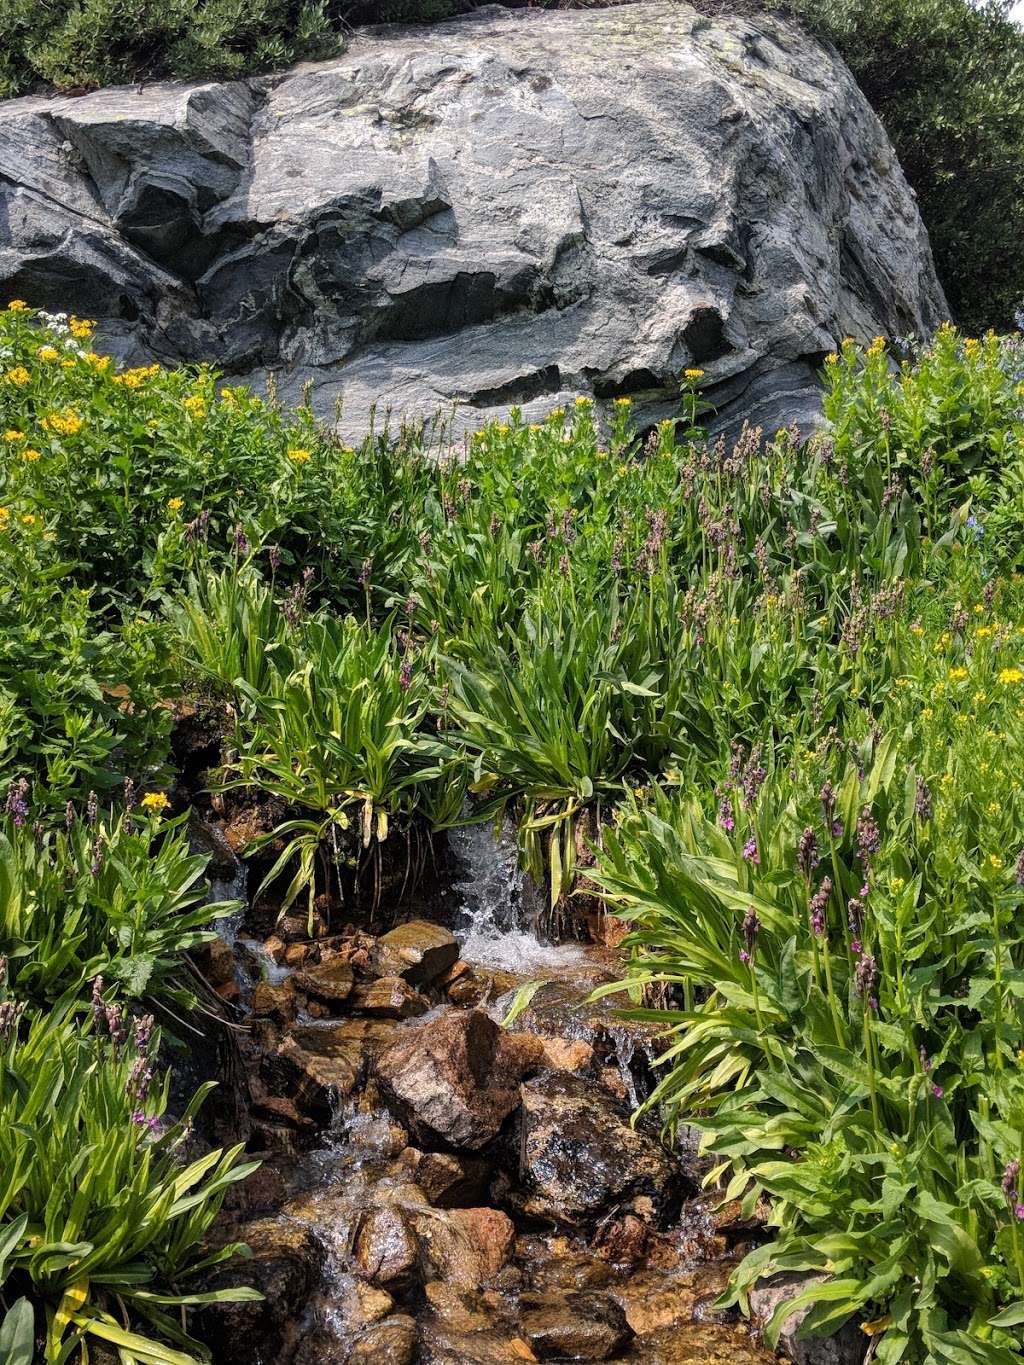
[[513, 207]]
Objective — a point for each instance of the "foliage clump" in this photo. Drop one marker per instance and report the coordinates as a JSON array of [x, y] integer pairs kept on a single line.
[[767, 698]]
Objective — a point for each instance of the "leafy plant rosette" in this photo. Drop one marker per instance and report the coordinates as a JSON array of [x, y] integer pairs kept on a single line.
[[852, 965], [102, 1217]]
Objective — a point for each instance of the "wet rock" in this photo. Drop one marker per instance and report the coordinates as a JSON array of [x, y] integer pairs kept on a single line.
[[278, 1109], [465, 1247], [448, 1180], [389, 997], [316, 1067], [368, 1036], [576, 1327], [216, 962], [367, 1304], [259, 1192], [480, 985], [847, 1347], [419, 951], [702, 1344], [275, 1001], [386, 1249], [561, 1054], [285, 1266], [444, 1344], [458, 1309], [377, 1135], [329, 981], [391, 1342], [457, 1077], [579, 1155]]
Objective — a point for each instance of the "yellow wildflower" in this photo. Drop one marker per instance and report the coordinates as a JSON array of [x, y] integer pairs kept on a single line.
[[19, 375], [946, 779], [624, 402], [194, 405], [13, 436], [48, 353], [896, 885], [957, 674], [81, 327], [831, 358], [979, 608], [902, 682], [5, 515], [65, 423], [927, 713], [155, 801], [994, 808], [583, 401], [175, 504], [28, 519], [1009, 677], [693, 374], [17, 306], [30, 455], [917, 628], [995, 860], [298, 455]]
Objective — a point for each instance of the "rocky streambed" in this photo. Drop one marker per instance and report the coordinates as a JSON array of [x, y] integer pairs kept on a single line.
[[436, 1187]]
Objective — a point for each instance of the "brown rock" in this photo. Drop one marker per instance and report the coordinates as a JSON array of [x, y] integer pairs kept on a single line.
[[563, 1054], [418, 951], [329, 981], [230, 992], [579, 1155], [389, 997], [366, 1304], [459, 1310], [295, 954], [316, 1066], [280, 1110], [448, 1180], [386, 1249], [391, 1342], [457, 1077], [577, 1327], [216, 961], [272, 1001], [465, 1247], [285, 1266], [275, 947]]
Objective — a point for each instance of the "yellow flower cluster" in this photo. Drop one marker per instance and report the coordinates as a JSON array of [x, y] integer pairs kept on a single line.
[[17, 306], [1009, 677], [957, 674], [81, 327], [194, 405], [693, 374], [30, 455], [299, 455], [66, 423], [175, 504], [5, 516], [134, 379], [154, 801], [48, 353], [624, 402], [13, 436], [19, 376]]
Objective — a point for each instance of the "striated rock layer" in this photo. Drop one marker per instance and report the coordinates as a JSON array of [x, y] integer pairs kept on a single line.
[[513, 207]]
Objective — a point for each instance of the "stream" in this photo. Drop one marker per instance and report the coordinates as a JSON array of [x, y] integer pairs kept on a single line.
[[439, 1188]]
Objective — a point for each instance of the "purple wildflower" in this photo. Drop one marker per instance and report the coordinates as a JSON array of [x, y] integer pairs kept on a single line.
[[819, 904], [923, 800], [869, 840], [807, 852], [405, 675], [750, 852], [274, 555], [91, 809], [725, 816], [17, 801], [865, 978]]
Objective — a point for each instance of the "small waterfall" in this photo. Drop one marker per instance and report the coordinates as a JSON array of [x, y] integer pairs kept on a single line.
[[491, 924], [233, 888]]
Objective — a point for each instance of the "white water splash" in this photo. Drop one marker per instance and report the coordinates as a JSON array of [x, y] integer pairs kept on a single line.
[[232, 888], [491, 925]]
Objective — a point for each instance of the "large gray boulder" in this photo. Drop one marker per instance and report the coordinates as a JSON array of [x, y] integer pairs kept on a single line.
[[514, 207]]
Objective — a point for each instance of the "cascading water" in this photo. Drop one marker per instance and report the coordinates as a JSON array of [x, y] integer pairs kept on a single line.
[[491, 923]]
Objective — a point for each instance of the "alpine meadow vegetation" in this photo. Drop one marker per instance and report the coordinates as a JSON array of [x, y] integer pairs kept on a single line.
[[766, 698]]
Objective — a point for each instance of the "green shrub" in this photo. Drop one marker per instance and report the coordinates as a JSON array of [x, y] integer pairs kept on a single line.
[[101, 1220], [946, 78]]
